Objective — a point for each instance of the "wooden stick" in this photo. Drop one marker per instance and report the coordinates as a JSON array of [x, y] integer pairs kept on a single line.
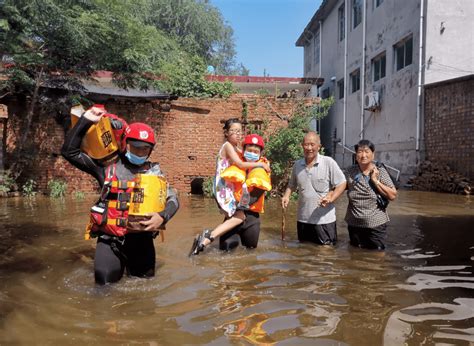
[[283, 223]]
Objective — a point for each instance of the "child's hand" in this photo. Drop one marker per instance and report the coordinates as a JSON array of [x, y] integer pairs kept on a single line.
[[266, 166]]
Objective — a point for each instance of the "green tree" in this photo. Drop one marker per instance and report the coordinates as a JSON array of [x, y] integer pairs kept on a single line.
[[196, 25], [59, 44], [284, 146], [186, 78]]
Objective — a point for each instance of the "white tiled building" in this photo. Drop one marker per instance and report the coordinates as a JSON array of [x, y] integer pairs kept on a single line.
[[387, 50]]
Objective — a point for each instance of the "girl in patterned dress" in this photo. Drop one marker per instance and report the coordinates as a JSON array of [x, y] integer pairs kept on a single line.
[[229, 154]]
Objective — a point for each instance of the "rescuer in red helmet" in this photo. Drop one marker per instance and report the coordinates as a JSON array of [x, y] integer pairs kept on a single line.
[[118, 246]]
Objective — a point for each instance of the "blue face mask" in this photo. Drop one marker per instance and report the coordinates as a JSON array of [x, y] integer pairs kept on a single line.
[[251, 157], [134, 159]]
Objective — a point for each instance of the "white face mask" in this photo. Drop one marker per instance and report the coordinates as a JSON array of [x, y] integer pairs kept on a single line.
[[251, 157]]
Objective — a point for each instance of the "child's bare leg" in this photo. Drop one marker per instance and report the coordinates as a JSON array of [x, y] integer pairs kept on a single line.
[[226, 226]]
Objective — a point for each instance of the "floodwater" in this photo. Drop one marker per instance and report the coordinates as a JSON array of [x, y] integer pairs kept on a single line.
[[287, 293]]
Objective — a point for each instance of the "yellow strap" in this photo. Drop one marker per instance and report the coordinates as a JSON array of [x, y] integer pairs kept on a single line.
[[116, 183], [114, 204], [87, 233], [113, 221]]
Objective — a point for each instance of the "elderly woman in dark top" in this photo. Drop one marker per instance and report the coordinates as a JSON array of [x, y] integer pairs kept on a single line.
[[368, 186]]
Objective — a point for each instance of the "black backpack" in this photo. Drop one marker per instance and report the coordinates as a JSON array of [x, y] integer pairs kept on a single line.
[[382, 201]]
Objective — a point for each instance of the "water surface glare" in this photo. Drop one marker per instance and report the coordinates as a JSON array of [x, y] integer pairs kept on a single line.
[[421, 291]]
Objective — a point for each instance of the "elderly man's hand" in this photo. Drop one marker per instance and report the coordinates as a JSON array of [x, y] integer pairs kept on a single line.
[[154, 223], [326, 200]]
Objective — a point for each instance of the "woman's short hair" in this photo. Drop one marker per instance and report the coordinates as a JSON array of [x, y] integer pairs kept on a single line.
[[365, 143]]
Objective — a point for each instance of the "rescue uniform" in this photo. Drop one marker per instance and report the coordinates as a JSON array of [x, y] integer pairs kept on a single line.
[[134, 251]]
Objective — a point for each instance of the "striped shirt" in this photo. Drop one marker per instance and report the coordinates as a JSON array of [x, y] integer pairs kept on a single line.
[[362, 210]]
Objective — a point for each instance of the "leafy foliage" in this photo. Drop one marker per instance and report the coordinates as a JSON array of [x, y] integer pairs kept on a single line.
[[284, 146], [57, 188], [46, 40], [78, 195], [186, 78], [7, 181], [207, 187], [28, 188], [197, 26]]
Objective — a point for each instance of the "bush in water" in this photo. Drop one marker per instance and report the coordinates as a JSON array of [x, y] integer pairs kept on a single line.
[[78, 195], [28, 188], [57, 188], [207, 187]]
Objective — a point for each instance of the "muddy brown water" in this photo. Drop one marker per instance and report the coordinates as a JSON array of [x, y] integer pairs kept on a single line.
[[288, 293]]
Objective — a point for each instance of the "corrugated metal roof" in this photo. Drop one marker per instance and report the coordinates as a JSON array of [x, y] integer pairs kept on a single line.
[[104, 86]]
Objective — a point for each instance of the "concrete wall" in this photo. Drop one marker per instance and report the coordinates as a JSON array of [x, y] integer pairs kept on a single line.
[[449, 39], [448, 53], [393, 128], [449, 124]]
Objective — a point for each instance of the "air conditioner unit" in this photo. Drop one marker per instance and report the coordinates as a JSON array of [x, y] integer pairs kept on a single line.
[[372, 101]]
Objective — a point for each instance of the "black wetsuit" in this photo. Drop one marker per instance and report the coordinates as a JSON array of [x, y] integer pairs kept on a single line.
[[248, 231], [134, 251]]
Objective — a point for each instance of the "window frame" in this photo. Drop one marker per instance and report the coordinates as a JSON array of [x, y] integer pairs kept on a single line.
[[340, 89], [356, 14], [379, 66], [307, 60], [401, 51], [355, 83], [316, 48], [341, 18]]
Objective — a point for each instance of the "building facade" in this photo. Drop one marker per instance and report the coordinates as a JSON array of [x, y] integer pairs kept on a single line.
[[376, 56]]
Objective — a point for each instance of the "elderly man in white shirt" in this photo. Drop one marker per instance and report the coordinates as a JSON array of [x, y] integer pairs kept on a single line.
[[319, 182]]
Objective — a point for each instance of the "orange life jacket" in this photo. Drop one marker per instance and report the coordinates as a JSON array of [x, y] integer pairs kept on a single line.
[[242, 191], [110, 214]]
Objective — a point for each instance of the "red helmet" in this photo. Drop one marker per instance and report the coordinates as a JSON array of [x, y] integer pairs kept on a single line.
[[253, 139], [139, 132]]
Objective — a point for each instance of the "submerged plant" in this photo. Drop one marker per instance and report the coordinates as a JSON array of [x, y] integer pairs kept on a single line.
[[57, 188], [28, 188], [78, 195], [207, 187]]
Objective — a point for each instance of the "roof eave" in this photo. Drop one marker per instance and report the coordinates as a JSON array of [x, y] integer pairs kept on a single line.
[[321, 14]]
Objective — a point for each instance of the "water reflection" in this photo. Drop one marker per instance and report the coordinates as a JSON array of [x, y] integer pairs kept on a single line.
[[285, 293]]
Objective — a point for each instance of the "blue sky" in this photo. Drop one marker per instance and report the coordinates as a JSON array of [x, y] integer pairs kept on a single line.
[[265, 33]]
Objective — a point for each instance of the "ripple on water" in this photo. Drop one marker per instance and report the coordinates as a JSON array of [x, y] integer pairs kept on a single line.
[[442, 320]]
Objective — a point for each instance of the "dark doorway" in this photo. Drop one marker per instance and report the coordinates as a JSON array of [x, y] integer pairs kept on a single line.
[[196, 186]]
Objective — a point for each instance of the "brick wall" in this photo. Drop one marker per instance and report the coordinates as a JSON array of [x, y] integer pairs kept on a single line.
[[189, 135], [449, 124]]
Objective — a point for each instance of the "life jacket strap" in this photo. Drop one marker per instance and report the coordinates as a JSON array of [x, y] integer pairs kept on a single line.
[[120, 221], [123, 184]]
